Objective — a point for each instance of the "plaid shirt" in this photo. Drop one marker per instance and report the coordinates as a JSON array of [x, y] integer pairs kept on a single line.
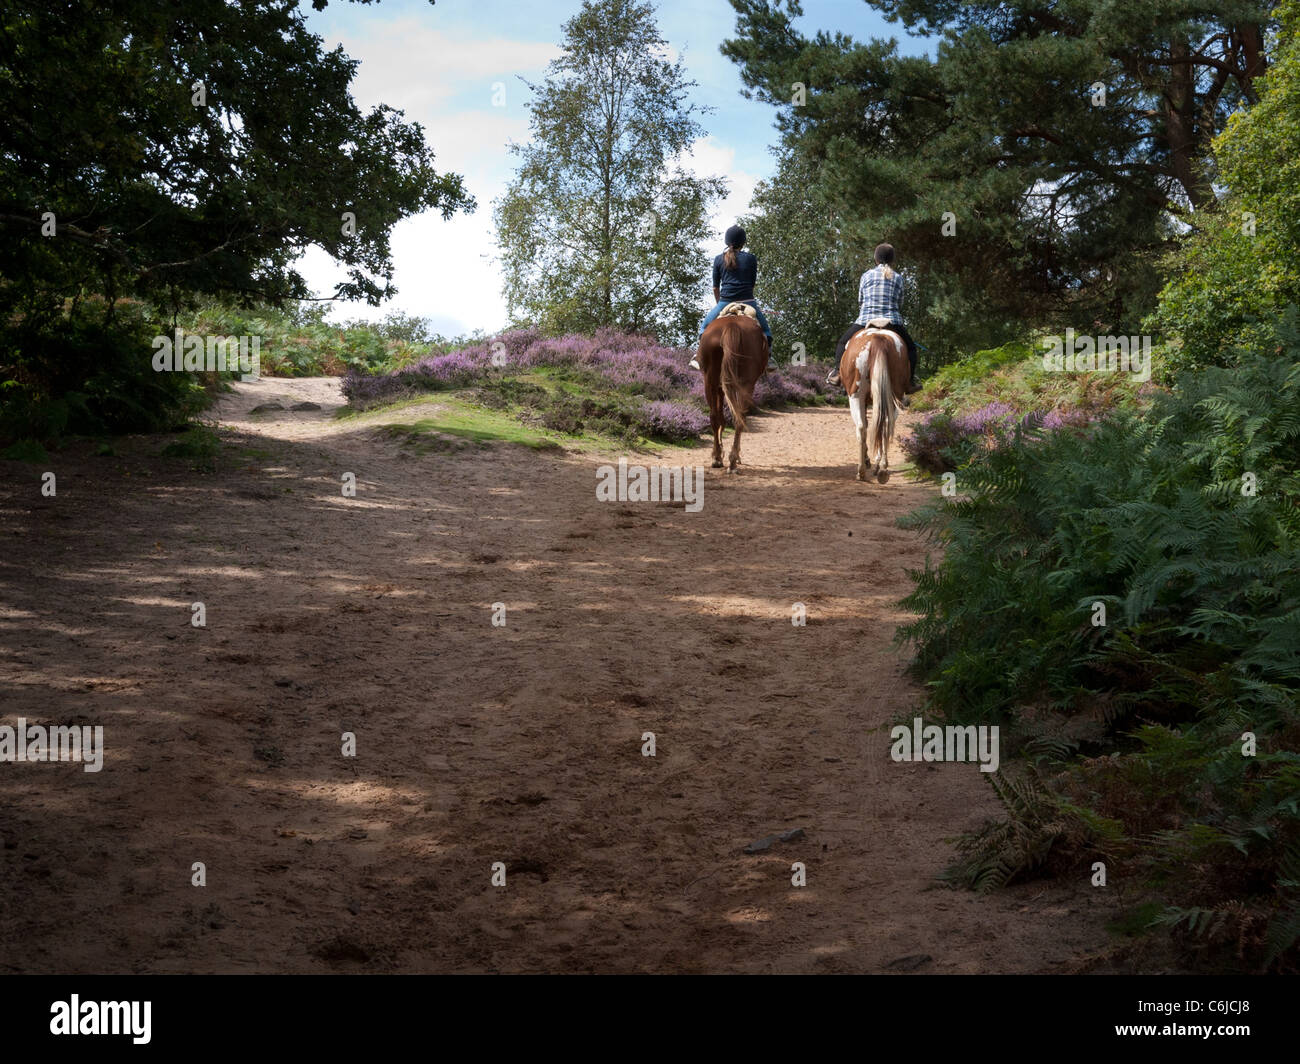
[[880, 297]]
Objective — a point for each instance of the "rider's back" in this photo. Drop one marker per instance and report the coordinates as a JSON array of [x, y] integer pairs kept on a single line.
[[737, 283], [880, 295]]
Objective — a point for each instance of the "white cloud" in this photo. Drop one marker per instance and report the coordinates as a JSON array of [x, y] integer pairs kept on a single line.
[[446, 82], [446, 270], [707, 157], [418, 68]]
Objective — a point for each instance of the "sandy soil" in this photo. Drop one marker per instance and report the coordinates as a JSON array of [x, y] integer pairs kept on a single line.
[[477, 744]]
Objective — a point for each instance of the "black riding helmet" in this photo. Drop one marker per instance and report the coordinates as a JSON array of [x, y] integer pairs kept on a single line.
[[735, 237]]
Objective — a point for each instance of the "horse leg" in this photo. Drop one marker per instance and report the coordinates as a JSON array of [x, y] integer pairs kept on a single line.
[[879, 453], [713, 392], [855, 408], [734, 459]]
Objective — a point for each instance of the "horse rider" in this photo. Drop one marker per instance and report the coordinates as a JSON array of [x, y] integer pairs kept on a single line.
[[734, 274], [880, 295]]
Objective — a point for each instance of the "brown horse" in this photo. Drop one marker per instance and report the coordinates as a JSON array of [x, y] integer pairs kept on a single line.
[[874, 371], [733, 355]]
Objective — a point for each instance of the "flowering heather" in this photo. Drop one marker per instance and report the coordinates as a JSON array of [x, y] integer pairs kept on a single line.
[[1055, 419], [994, 419], [943, 442], [673, 419], [794, 385], [671, 394]]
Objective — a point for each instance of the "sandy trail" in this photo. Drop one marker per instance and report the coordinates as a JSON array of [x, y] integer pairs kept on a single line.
[[477, 744]]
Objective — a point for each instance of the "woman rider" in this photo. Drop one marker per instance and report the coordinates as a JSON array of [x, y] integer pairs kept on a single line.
[[880, 295], [734, 274]]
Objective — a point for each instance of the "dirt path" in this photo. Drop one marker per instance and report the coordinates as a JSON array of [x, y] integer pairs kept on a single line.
[[477, 744]]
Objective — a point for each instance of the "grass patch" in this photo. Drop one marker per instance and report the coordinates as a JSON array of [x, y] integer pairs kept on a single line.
[[25, 451], [472, 426], [199, 443], [530, 410]]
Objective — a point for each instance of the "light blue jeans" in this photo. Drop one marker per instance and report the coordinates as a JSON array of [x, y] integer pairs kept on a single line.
[[767, 330]]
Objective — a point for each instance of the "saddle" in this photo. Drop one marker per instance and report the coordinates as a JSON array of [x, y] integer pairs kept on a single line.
[[739, 308], [882, 325]]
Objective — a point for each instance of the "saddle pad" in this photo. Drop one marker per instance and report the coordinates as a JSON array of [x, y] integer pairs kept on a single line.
[[874, 330], [876, 323], [740, 308]]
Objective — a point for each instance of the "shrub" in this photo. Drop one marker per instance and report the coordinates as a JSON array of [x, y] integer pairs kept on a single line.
[[88, 370], [1183, 526], [1233, 277]]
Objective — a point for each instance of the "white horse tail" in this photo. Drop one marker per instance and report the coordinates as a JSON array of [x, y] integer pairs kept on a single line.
[[884, 411]]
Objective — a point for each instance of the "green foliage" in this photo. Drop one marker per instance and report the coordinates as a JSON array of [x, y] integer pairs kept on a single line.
[[979, 401], [25, 451], [200, 443], [297, 341], [1184, 522], [807, 274], [88, 371], [1144, 511], [1059, 208], [601, 226], [1243, 264], [155, 151], [1039, 826], [970, 372], [156, 192]]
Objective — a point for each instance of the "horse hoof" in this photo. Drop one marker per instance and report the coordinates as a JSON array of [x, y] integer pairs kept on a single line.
[[717, 465], [862, 475], [883, 476]]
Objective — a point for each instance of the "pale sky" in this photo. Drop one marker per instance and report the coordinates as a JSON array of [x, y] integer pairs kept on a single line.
[[439, 65]]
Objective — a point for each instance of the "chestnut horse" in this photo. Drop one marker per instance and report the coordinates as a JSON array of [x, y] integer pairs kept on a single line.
[[733, 355], [874, 370]]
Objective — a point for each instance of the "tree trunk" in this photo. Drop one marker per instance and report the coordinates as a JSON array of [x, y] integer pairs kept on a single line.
[[1180, 124]]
